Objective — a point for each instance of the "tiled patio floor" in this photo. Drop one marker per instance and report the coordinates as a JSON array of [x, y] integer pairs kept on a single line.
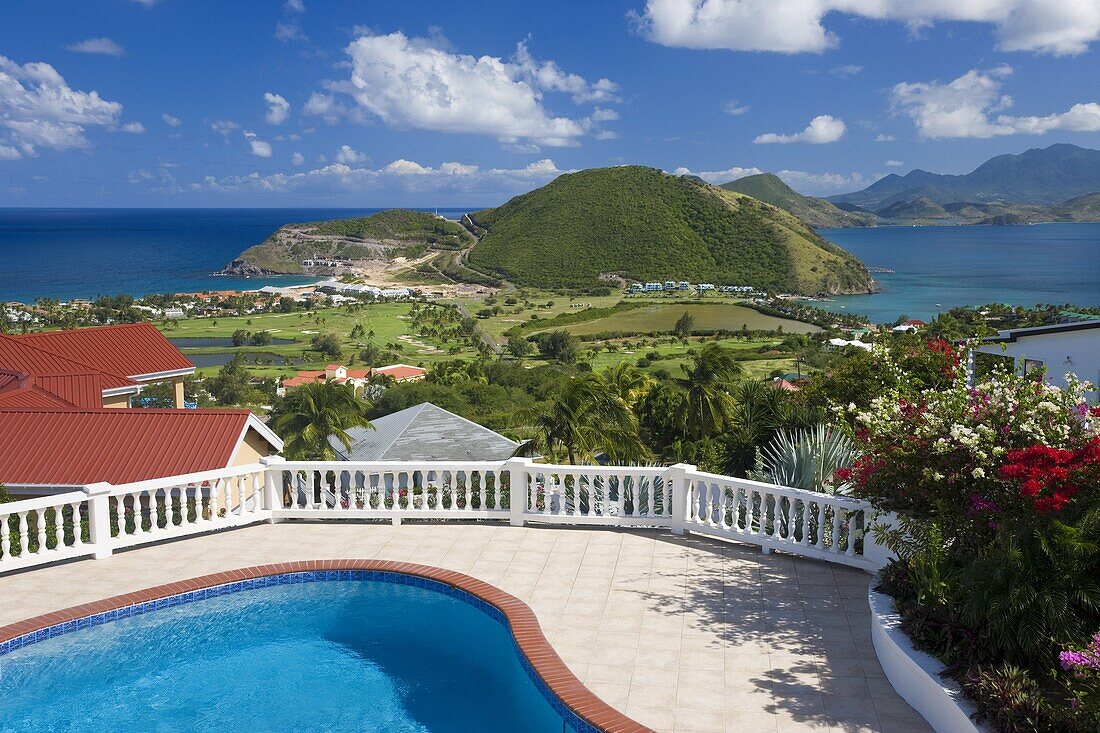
[[685, 635]]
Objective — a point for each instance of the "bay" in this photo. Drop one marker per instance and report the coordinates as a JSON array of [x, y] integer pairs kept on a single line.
[[941, 267], [82, 253]]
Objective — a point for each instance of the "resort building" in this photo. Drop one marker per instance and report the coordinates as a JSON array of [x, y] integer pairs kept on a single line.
[[1060, 349], [88, 368], [426, 432], [357, 378]]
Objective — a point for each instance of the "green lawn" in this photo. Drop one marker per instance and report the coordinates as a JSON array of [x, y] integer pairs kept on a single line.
[[662, 317], [389, 321], [674, 355]]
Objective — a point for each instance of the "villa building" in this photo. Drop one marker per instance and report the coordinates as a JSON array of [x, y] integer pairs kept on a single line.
[[1059, 348], [49, 451], [89, 367], [357, 378], [426, 432]]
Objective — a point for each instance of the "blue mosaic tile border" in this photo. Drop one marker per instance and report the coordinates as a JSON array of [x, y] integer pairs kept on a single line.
[[574, 723]]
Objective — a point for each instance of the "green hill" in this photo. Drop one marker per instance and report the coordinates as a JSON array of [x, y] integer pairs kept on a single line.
[[644, 224], [384, 235], [816, 212]]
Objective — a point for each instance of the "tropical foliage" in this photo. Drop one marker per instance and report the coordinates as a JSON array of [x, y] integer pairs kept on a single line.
[[806, 459], [311, 413], [999, 571]]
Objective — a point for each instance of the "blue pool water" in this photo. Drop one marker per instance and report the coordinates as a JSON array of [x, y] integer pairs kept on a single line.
[[352, 655]]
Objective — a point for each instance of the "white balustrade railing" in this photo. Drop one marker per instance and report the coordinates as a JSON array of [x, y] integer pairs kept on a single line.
[[150, 511], [388, 490], [42, 530], [102, 518], [824, 526]]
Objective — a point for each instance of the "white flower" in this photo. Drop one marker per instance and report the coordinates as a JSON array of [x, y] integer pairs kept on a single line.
[[978, 472]]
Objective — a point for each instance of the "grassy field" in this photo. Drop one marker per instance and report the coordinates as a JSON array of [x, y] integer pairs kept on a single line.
[[673, 356], [661, 317], [389, 321], [391, 325]]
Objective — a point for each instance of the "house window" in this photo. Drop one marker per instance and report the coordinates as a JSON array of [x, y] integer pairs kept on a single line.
[[1033, 366]]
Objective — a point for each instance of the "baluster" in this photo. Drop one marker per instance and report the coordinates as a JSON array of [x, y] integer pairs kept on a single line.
[[821, 516], [805, 524], [58, 533], [24, 548], [851, 549], [40, 529], [467, 495], [240, 495], [835, 546], [651, 501], [77, 539], [5, 538], [482, 480]]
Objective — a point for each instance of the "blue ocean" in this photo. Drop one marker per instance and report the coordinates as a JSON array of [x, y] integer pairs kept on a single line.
[[936, 268], [82, 253]]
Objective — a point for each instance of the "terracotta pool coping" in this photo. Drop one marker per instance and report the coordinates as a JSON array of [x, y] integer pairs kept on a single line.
[[521, 620]]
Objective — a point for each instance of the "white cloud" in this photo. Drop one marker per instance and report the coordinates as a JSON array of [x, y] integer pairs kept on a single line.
[[347, 155], [39, 109], [296, 6], [549, 76], [170, 120], [9, 153], [278, 109], [809, 183], [846, 71], [297, 159], [735, 108], [606, 135], [601, 114], [411, 83], [825, 183], [883, 138], [289, 32], [795, 26], [260, 148], [822, 129], [101, 45], [327, 108], [894, 164], [724, 176], [147, 3], [969, 105], [401, 175], [223, 127], [135, 128]]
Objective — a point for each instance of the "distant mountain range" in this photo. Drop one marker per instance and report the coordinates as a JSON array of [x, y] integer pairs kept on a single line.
[[818, 213], [1058, 183]]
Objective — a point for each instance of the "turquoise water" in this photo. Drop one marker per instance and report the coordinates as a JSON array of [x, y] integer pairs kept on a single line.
[[82, 253], [363, 656], [936, 268]]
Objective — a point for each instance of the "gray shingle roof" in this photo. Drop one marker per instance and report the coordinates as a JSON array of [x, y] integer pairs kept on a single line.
[[425, 432]]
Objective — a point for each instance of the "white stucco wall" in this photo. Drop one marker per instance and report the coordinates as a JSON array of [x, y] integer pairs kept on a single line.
[[1068, 351]]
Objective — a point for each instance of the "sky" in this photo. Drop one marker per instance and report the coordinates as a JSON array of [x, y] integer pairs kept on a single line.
[[279, 103]]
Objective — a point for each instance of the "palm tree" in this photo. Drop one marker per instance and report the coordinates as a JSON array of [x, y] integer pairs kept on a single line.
[[313, 413], [587, 418], [707, 383], [629, 383]]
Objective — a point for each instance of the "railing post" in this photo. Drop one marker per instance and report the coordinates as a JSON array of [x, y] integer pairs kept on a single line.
[[676, 482], [99, 519], [517, 469], [875, 554], [273, 481]]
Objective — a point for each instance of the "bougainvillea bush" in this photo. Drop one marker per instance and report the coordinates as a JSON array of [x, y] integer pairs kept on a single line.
[[998, 484]]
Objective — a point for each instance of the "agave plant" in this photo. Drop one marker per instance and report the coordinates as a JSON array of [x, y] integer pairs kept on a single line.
[[806, 459]]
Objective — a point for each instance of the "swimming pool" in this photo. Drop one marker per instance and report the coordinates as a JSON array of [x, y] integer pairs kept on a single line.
[[363, 651]]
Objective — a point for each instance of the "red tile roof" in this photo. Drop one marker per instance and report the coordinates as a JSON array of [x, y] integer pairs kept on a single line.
[[20, 355], [70, 447], [400, 372], [132, 350]]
